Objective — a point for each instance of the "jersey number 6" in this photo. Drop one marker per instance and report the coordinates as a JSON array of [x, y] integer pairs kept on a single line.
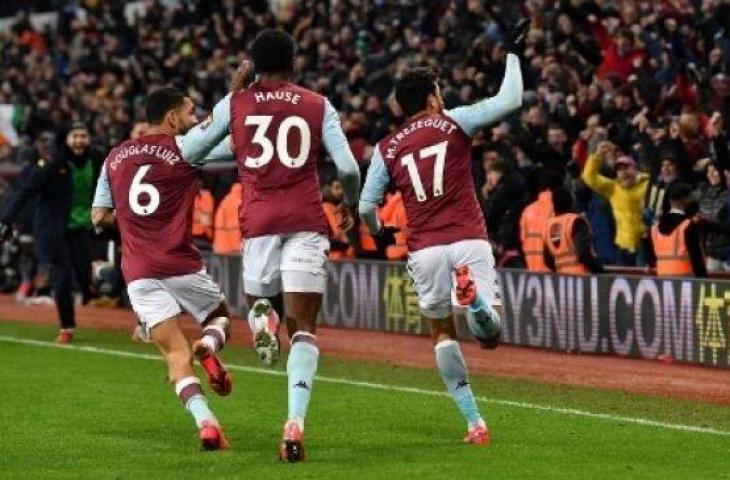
[[262, 122], [138, 188]]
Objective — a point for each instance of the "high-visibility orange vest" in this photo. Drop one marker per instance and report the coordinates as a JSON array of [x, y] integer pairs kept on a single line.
[[203, 214], [227, 230], [367, 243], [672, 256], [330, 211], [559, 242], [532, 230], [393, 214]]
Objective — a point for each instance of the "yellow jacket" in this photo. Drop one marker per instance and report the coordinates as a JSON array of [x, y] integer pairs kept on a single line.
[[626, 203]]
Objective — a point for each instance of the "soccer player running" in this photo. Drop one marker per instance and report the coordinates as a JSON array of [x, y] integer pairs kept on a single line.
[[147, 187], [278, 130], [429, 160]]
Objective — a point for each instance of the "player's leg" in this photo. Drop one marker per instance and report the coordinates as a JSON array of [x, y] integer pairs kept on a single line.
[[201, 296], [431, 273], [61, 275], [304, 257], [262, 285], [157, 312], [175, 348], [455, 375], [478, 290]]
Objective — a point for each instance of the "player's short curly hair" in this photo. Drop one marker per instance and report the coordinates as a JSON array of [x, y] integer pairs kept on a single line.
[[272, 51], [414, 86], [161, 101]]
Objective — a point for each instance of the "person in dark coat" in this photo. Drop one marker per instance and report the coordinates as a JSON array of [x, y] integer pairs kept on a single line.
[[63, 186], [505, 196]]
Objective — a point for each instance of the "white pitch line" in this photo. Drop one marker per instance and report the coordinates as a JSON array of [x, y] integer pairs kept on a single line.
[[395, 388]]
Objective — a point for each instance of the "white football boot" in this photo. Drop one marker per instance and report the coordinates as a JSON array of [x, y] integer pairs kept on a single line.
[[264, 323]]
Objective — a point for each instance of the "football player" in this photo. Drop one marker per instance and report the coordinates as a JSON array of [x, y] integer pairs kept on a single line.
[[278, 133], [429, 160], [147, 188]]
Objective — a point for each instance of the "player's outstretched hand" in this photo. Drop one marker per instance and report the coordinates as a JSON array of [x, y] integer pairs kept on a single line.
[[241, 78], [385, 237], [6, 230], [517, 36], [345, 216]]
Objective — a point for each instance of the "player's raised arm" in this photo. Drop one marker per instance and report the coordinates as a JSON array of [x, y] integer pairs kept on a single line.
[[102, 208], [473, 117], [199, 141], [336, 144]]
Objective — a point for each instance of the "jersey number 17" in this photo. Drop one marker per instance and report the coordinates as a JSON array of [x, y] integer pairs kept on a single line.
[[409, 161]]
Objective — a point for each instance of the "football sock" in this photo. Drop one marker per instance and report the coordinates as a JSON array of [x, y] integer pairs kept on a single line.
[[453, 372], [301, 368], [483, 313], [478, 303], [214, 337], [191, 395]]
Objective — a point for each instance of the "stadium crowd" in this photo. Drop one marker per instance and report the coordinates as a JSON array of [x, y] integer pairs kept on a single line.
[[624, 99]]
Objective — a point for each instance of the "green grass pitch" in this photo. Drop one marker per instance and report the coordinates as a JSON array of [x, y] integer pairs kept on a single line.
[[69, 413]]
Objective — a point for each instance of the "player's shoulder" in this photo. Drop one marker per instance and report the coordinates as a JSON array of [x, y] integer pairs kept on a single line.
[[452, 116], [309, 95], [119, 147], [382, 144]]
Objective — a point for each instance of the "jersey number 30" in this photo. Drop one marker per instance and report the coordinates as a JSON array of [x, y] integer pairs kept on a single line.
[[138, 188], [439, 151], [262, 122]]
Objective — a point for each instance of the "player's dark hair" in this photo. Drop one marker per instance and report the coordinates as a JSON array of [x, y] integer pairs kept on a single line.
[[272, 51], [413, 88], [161, 101], [562, 201]]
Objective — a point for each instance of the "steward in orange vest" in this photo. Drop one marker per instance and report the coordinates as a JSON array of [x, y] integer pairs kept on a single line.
[[393, 214], [332, 195], [532, 230], [203, 215], [677, 239], [567, 241], [227, 231]]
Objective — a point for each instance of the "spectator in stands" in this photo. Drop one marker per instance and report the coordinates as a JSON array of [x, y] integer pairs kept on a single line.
[[714, 200], [393, 214], [588, 66], [656, 202], [626, 194], [676, 240], [62, 228], [203, 211], [506, 196], [567, 239], [534, 221], [332, 196], [27, 264], [618, 49], [714, 204]]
